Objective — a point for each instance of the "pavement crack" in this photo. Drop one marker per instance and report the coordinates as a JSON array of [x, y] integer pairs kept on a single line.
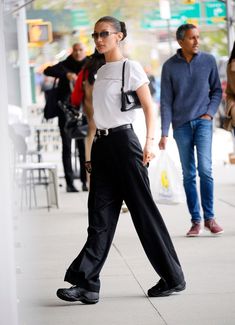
[[136, 279]]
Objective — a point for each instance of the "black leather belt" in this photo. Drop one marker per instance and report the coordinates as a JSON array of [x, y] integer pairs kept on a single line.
[[105, 132]]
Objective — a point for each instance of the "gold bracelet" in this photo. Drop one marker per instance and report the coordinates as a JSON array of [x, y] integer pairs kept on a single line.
[[149, 138]]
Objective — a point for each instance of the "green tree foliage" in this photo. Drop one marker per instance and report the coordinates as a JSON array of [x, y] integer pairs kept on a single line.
[[215, 42], [121, 9], [132, 13]]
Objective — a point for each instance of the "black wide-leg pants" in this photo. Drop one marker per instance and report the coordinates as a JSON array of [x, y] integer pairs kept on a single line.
[[118, 174]]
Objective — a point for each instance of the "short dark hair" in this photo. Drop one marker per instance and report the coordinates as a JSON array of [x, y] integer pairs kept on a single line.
[[180, 33], [118, 25]]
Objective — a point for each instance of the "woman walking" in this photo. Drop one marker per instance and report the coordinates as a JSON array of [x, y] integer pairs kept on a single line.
[[119, 172]]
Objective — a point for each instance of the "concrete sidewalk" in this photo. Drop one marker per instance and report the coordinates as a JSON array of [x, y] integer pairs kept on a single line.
[[46, 243]]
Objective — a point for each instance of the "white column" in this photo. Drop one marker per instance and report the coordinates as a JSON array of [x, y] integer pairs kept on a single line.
[[8, 301], [165, 13], [230, 25], [25, 85]]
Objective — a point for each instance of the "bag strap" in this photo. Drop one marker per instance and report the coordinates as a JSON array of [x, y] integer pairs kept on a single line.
[[54, 83], [123, 75]]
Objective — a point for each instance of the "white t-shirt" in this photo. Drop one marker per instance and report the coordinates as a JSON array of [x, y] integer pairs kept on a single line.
[[107, 92]]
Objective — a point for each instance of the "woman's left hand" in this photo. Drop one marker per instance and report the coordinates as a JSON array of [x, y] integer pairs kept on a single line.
[[148, 152]]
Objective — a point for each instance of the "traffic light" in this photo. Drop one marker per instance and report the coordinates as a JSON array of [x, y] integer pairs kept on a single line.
[[189, 2], [39, 32], [193, 21]]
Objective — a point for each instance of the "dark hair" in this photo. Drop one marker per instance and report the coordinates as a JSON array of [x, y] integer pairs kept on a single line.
[[118, 25], [180, 33], [94, 62], [232, 55]]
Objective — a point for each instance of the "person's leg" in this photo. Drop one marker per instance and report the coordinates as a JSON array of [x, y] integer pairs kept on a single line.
[[80, 143], [203, 143], [104, 206], [184, 137], [66, 157], [148, 222]]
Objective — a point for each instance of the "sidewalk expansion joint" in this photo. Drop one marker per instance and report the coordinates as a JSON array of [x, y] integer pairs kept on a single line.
[[226, 202], [134, 276]]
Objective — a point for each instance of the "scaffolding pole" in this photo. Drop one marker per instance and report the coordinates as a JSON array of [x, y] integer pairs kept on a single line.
[[25, 85]]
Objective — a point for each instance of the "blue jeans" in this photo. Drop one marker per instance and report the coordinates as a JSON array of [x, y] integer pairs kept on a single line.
[[198, 134]]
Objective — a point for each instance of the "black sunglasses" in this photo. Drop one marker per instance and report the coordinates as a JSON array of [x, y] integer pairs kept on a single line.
[[103, 34]]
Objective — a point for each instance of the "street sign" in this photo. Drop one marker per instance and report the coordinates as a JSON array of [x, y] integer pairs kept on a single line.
[[80, 18], [189, 12], [179, 15], [215, 12]]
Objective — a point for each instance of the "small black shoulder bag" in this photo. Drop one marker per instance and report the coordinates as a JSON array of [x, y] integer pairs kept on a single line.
[[129, 99]]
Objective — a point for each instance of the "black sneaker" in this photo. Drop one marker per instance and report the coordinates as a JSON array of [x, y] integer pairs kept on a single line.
[[71, 189], [161, 289], [76, 293], [84, 187]]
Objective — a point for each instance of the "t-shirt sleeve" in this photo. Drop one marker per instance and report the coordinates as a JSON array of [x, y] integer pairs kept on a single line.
[[137, 75]]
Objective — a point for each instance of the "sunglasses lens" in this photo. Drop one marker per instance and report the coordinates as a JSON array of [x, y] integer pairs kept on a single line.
[[104, 34]]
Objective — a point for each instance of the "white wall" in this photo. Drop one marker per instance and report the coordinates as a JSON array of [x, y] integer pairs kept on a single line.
[[8, 301]]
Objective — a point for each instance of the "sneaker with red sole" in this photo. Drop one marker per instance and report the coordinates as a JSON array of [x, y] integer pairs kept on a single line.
[[195, 230], [212, 226]]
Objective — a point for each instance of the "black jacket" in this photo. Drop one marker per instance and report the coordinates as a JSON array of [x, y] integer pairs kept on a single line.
[[59, 71]]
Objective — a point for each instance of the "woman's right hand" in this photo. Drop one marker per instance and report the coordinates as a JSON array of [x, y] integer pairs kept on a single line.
[[148, 152], [162, 143]]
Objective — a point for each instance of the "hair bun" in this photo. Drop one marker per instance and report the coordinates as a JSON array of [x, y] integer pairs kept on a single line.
[[123, 29]]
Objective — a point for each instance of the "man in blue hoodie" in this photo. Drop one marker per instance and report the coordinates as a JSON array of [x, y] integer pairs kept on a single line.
[[190, 96]]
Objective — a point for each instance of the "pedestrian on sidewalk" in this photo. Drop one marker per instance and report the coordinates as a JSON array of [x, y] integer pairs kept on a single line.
[[230, 92], [190, 96], [119, 172], [66, 71]]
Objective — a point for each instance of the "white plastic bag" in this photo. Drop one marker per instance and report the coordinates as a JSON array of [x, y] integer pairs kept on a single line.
[[165, 181]]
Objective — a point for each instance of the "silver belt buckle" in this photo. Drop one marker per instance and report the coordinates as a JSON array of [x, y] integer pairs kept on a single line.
[[101, 132], [106, 132]]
